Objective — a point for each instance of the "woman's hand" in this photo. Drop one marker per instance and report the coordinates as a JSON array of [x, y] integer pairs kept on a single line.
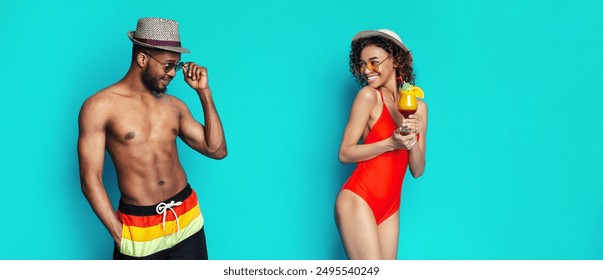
[[403, 140], [413, 124]]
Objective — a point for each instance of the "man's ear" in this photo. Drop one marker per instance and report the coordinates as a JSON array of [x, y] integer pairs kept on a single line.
[[141, 59]]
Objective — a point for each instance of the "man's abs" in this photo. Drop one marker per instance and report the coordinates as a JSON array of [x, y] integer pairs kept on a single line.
[[146, 174]]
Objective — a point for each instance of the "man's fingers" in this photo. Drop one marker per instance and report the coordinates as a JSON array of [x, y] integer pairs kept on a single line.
[[193, 71], [198, 73]]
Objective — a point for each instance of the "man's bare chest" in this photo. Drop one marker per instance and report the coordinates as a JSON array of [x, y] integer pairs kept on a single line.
[[134, 124]]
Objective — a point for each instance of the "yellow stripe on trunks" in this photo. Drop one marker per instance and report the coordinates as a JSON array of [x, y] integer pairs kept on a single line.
[[145, 248], [135, 233]]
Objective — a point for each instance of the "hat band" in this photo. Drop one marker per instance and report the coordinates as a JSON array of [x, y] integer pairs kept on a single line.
[[159, 42]]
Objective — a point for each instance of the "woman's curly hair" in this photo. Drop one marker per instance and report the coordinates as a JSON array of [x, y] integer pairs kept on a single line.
[[401, 58]]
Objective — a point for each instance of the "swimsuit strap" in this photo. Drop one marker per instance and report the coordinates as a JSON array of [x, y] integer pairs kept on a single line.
[[381, 96]]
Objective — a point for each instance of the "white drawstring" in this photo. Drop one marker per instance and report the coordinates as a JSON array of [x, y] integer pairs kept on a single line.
[[161, 207]]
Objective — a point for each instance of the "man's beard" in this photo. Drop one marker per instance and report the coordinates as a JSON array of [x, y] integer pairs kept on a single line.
[[152, 83]]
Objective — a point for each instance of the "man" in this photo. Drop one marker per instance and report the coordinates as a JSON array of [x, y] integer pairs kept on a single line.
[[137, 122]]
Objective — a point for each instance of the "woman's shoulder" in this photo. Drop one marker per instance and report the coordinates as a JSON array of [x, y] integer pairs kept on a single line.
[[368, 94], [422, 108], [421, 102]]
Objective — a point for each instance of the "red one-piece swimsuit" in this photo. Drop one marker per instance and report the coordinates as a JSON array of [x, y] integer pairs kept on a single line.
[[379, 180]]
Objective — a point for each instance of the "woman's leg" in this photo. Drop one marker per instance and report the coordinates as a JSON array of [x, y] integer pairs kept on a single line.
[[389, 231], [357, 227]]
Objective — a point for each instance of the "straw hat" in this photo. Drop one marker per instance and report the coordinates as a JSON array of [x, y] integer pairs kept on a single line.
[[157, 33], [385, 33]]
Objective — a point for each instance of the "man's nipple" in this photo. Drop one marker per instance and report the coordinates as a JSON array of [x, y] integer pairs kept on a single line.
[[130, 135]]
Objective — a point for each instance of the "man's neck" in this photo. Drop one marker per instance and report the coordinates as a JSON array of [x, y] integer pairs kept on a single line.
[[133, 83]]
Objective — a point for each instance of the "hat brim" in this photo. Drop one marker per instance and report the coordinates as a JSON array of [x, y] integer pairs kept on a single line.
[[165, 48], [372, 33]]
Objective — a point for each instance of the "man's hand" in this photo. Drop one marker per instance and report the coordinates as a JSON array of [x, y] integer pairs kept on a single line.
[[195, 76]]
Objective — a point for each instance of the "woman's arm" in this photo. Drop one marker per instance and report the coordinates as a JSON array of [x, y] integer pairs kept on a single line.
[[416, 154]]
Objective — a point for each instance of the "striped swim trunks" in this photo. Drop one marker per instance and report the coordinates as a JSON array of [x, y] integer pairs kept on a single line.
[[154, 230]]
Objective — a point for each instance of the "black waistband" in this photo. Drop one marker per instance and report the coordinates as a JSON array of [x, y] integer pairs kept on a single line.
[[151, 209]]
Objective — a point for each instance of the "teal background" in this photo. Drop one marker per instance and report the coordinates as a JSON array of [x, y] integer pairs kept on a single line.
[[514, 141]]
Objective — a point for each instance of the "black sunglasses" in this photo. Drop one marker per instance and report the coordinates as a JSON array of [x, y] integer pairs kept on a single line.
[[167, 67]]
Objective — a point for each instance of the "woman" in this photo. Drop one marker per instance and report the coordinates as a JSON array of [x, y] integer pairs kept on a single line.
[[367, 207]]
